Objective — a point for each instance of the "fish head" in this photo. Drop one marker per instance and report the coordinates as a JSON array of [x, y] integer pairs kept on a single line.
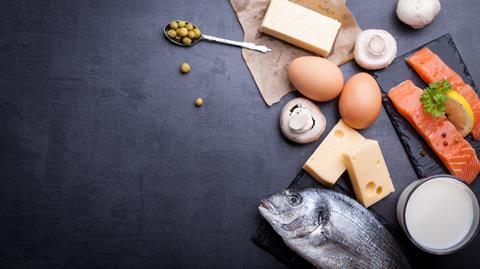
[[295, 213]]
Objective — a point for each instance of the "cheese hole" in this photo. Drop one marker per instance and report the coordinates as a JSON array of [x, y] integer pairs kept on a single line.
[[379, 190], [338, 133], [378, 163], [370, 187]]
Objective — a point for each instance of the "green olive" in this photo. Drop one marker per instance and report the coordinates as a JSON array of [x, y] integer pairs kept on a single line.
[[174, 25], [185, 68], [182, 32], [189, 26], [172, 33], [191, 34], [186, 41], [181, 24], [198, 102], [197, 32]]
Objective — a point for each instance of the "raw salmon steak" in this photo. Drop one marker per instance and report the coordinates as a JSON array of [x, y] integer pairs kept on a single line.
[[431, 69], [453, 150]]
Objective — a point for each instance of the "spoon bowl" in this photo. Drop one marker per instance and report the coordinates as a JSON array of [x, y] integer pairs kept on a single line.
[[178, 40]]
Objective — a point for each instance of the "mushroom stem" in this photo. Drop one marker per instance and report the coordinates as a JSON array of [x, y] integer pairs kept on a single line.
[[374, 49], [300, 120], [377, 45]]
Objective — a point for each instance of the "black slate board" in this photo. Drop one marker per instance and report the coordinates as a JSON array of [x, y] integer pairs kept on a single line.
[[428, 165], [399, 71]]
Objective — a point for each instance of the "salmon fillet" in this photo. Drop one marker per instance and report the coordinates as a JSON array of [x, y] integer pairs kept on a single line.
[[431, 69], [441, 135]]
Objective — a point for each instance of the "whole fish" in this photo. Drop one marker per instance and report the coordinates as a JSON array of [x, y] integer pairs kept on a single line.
[[331, 230]]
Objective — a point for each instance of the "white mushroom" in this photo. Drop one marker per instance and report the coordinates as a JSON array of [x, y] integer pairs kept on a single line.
[[418, 13], [302, 121], [375, 49]]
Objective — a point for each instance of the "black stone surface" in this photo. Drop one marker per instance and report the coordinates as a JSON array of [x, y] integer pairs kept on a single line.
[[106, 163]]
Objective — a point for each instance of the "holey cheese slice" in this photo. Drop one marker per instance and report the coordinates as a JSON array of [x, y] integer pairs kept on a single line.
[[300, 26], [368, 172], [326, 164]]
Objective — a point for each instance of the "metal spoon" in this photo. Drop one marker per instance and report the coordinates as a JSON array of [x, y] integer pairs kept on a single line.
[[246, 45]]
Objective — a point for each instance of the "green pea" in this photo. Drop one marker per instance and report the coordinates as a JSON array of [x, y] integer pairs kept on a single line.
[[172, 33], [197, 32], [182, 32], [181, 24], [174, 25], [185, 68], [191, 34], [198, 102], [189, 26], [186, 41]]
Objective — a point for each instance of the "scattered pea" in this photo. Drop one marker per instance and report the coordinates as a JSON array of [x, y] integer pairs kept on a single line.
[[181, 24], [186, 41], [172, 33], [197, 32], [189, 27], [198, 102], [191, 34], [174, 25], [185, 68]]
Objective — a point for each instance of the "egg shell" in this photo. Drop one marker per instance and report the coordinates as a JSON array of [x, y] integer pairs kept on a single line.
[[316, 78], [361, 101]]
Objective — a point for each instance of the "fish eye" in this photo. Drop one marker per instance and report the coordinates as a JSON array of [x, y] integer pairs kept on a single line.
[[294, 199]]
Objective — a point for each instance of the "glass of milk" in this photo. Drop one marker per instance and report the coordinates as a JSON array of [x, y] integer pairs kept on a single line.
[[439, 214]]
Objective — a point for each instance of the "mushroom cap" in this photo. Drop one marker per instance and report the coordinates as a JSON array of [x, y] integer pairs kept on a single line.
[[417, 13], [302, 121], [375, 49]]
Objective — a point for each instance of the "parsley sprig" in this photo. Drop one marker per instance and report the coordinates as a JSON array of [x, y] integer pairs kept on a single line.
[[434, 97]]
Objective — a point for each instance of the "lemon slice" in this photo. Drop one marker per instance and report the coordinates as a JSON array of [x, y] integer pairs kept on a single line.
[[459, 113]]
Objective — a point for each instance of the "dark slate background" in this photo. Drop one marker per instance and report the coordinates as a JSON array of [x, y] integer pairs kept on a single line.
[[106, 163]]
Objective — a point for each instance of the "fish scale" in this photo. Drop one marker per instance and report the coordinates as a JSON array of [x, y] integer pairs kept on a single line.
[[375, 236]]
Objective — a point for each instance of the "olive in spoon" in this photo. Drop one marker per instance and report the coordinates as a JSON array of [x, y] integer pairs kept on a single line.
[[187, 34]]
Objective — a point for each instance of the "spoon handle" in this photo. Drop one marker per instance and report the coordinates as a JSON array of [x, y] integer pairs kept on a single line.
[[246, 45]]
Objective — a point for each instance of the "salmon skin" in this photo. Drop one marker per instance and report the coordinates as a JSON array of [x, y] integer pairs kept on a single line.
[[441, 135], [431, 69]]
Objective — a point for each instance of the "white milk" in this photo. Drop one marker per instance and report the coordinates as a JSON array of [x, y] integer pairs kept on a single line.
[[439, 213]]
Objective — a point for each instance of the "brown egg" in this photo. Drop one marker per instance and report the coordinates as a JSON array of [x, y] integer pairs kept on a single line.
[[361, 101], [315, 77]]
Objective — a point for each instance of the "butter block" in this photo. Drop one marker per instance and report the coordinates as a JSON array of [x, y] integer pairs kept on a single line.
[[368, 172], [326, 164], [300, 26]]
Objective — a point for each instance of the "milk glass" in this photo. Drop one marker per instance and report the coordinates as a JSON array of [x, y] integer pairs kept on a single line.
[[439, 214]]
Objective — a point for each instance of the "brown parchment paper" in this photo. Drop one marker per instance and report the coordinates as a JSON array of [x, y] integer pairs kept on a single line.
[[270, 70]]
